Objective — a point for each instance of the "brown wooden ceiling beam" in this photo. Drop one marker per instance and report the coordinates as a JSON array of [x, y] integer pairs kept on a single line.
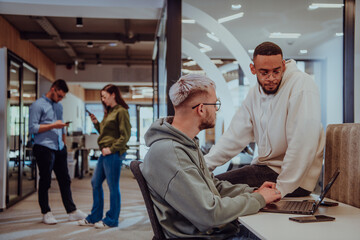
[[34, 36]]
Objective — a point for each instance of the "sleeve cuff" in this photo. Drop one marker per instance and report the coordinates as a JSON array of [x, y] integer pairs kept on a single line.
[[260, 198]]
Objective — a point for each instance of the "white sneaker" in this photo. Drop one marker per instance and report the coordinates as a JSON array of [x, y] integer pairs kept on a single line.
[[84, 222], [48, 218], [100, 225], [77, 215]]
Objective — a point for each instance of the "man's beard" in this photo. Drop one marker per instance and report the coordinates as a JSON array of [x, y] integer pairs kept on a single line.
[[207, 123], [267, 91]]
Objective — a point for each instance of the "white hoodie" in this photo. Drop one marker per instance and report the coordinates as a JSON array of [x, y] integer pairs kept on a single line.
[[286, 127]]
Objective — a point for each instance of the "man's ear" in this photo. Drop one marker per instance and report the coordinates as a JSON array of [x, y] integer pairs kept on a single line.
[[284, 65], [200, 110], [252, 68]]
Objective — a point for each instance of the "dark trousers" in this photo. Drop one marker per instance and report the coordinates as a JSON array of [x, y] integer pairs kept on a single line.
[[48, 160], [255, 176]]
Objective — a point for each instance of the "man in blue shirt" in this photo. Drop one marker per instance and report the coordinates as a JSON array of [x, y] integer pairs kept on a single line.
[[46, 123]]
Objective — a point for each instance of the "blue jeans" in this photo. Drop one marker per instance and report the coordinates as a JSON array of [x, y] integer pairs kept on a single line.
[[108, 167]]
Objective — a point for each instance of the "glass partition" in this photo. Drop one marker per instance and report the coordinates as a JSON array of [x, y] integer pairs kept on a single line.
[[22, 92], [227, 32]]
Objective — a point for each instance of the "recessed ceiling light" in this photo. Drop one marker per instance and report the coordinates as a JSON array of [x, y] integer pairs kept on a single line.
[[339, 34], [79, 22], [284, 35], [204, 50], [213, 37], [189, 63], [235, 6], [217, 61], [204, 45], [231, 17], [113, 44], [189, 21], [314, 6], [303, 51], [90, 45]]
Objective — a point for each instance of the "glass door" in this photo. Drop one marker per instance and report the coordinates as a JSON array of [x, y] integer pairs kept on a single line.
[[14, 127], [29, 88], [22, 92]]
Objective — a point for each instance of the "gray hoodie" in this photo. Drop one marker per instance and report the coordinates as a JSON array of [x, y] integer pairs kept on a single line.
[[189, 201]]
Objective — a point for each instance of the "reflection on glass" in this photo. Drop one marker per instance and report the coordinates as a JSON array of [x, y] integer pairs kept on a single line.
[[28, 97], [14, 127], [145, 120]]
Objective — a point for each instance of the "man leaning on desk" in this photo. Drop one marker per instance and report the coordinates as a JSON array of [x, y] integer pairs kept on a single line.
[[282, 115], [188, 200]]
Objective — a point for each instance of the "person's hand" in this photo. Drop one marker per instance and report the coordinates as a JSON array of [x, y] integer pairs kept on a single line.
[[59, 124], [267, 185], [105, 151], [93, 118], [270, 194]]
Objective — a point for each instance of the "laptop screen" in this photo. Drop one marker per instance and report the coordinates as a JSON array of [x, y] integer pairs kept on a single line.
[[327, 188]]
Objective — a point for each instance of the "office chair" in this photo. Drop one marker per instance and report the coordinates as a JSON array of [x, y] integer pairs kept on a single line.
[[158, 232], [342, 151]]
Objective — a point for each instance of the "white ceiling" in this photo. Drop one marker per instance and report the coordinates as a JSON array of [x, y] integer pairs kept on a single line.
[[261, 17]]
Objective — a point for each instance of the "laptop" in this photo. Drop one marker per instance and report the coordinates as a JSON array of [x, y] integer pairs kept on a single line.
[[306, 207]]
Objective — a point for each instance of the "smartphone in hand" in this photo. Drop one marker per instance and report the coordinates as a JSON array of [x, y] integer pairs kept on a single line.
[[315, 218], [68, 122], [88, 111]]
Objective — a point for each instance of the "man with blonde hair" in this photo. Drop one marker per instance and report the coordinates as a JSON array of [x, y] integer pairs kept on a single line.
[[189, 201]]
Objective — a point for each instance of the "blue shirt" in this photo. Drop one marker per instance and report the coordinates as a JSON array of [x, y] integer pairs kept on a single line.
[[45, 111]]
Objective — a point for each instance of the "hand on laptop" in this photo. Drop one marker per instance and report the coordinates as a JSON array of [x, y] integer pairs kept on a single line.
[[269, 192]]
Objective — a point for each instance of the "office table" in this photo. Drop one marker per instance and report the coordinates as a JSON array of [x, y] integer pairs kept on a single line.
[[277, 226]]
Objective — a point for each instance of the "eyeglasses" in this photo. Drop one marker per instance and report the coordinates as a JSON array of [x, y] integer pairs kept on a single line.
[[217, 105], [59, 95], [266, 75]]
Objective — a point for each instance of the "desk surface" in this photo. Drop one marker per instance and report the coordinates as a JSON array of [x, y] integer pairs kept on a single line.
[[277, 226]]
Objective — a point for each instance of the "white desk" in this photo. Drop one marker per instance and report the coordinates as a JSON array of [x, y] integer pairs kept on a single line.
[[277, 226]]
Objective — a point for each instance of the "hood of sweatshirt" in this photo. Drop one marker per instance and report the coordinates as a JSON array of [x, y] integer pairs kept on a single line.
[[162, 129]]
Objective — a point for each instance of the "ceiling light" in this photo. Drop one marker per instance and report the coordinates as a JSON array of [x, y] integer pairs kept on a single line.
[[284, 35], [186, 71], [235, 6], [339, 34], [217, 61], [204, 45], [314, 6], [204, 50], [190, 63], [79, 22], [189, 21], [251, 51], [231, 17], [113, 44], [13, 70], [213, 37], [98, 61], [303, 51], [90, 45]]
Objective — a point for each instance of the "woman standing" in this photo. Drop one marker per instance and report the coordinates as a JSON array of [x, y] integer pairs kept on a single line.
[[114, 134]]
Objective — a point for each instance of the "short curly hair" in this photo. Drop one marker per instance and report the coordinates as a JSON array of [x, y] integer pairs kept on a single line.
[[188, 86], [267, 49]]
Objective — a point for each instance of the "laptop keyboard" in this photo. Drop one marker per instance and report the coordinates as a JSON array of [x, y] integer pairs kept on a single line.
[[298, 206]]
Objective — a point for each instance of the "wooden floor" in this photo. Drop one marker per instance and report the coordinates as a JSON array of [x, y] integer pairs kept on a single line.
[[23, 220]]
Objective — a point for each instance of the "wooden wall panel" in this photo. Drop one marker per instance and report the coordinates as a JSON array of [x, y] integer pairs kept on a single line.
[[10, 38], [343, 151], [77, 90]]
